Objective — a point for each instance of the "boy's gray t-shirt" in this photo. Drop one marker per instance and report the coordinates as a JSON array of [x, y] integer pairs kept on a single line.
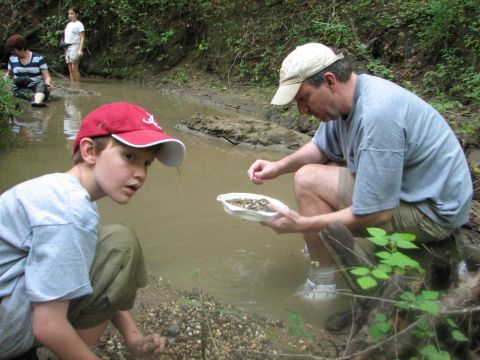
[[398, 147], [48, 236]]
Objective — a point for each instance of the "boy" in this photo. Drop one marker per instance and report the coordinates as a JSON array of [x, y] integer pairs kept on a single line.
[[62, 277]]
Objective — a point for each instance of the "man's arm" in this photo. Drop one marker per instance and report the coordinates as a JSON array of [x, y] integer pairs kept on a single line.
[[262, 170], [137, 344], [291, 221], [52, 328], [307, 154]]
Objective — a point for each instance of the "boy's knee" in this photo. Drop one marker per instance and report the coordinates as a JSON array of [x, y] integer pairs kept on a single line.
[[118, 246], [117, 271], [118, 236]]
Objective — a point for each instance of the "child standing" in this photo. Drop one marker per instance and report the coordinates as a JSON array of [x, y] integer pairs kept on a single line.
[[75, 37], [62, 276]]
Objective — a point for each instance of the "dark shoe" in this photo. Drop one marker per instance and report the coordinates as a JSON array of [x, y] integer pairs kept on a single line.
[[40, 104], [30, 355], [339, 321]]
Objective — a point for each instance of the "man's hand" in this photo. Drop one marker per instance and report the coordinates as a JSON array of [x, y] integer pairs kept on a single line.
[[288, 221], [147, 346], [262, 170]]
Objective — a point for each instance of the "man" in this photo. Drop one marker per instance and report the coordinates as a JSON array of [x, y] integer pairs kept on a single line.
[[405, 170]]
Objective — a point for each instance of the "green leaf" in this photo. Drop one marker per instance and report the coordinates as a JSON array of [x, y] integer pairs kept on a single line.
[[429, 295], [366, 282], [408, 296], [360, 271], [379, 274], [377, 331], [401, 260], [378, 241], [432, 353], [383, 255], [430, 307], [293, 317], [408, 237], [458, 336], [402, 237], [385, 268], [402, 244], [384, 327], [452, 323], [423, 325], [376, 232], [379, 317]]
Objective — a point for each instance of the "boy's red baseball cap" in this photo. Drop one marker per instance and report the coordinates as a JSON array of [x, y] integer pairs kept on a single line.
[[134, 126]]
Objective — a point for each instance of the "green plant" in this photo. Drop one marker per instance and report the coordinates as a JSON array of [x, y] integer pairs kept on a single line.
[[381, 328], [53, 28], [180, 75], [296, 325], [8, 111], [424, 304], [391, 259]]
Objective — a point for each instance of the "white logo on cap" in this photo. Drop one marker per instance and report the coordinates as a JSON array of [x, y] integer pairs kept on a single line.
[[151, 120]]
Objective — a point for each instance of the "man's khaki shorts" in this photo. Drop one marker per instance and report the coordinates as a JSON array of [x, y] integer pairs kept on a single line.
[[407, 218]]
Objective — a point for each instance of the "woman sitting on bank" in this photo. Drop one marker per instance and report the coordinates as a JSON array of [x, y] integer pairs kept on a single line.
[[29, 71]]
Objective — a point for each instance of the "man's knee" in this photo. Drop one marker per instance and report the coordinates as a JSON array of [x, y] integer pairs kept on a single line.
[[318, 180], [309, 175]]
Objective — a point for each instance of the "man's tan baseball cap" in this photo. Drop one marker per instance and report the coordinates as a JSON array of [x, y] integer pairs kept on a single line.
[[302, 63]]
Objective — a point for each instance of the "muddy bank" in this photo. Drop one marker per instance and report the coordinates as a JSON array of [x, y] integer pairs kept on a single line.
[[246, 131], [248, 101]]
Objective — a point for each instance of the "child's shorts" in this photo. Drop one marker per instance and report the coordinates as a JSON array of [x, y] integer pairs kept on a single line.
[[118, 270], [71, 54]]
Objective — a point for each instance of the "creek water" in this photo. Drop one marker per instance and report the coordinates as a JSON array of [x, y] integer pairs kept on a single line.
[[186, 236]]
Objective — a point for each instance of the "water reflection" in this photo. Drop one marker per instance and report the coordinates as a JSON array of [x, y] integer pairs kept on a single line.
[[72, 118], [32, 125]]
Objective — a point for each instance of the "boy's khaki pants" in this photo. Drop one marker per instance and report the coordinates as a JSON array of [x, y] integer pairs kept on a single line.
[[118, 270]]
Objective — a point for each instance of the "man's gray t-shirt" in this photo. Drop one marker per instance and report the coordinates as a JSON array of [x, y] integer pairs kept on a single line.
[[48, 236], [398, 147]]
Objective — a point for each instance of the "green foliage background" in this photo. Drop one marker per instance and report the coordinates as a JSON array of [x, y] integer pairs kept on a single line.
[[431, 46]]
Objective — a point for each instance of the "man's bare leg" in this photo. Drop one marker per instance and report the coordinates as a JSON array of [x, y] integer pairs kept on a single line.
[[316, 192]]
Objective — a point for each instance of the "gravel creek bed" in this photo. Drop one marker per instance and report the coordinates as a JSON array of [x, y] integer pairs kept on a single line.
[[197, 326]]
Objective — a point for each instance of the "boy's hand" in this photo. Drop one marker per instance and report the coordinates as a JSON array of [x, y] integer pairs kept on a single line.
[[145, 346]]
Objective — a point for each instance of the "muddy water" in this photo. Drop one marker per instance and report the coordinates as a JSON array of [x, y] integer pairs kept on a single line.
[[187, 238]]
